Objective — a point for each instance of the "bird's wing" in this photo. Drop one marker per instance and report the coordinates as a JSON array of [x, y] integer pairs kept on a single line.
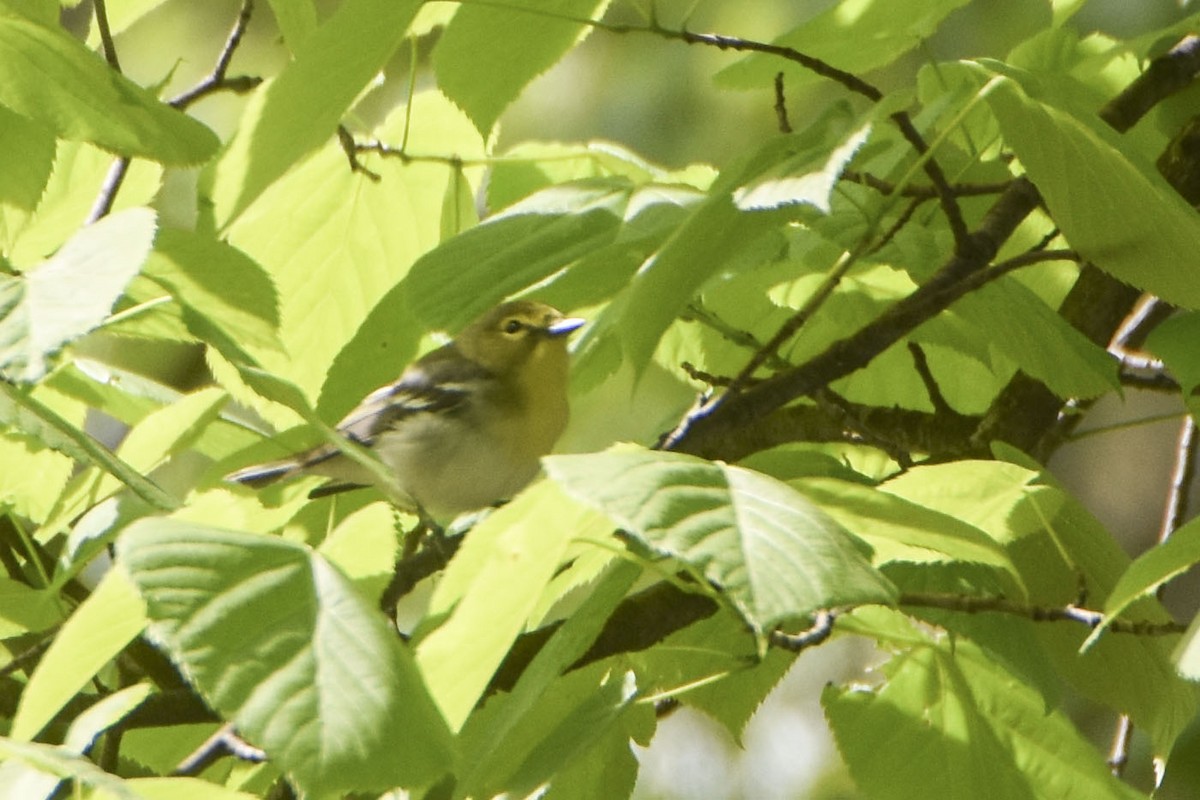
[[441, 382]]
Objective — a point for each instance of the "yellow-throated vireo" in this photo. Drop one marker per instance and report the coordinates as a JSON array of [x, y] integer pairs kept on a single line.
[[465, 425]]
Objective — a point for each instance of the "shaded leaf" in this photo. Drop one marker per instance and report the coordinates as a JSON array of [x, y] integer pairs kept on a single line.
[[1176, 341], [1152, 569], [228, 300], [950, 722], [102, 715], [486, 55], [1119, 213], [48, 76], [801, 179], [468, 274], [1022, 327]]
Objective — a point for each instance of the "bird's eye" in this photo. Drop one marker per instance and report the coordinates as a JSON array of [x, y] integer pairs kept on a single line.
[[512, 326]]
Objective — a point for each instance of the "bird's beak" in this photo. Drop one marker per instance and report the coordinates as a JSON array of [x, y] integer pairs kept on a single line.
[[564, 326]]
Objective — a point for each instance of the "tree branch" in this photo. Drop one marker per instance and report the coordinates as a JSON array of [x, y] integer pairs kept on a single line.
[[1166, 75], [961, 274], [1069, 613], [216, 80]]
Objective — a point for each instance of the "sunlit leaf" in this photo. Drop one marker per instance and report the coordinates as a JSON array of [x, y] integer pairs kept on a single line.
[[332, 694], [98, 630], [772, 551], [71, 293]]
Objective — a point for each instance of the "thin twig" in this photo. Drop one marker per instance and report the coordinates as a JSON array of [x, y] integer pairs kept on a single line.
[[905, 217], [781, 114], [351, 149], [924, 192], [820, 630], [1068, 613], [116, 173], [697, 374], [958, 226], [223, 742], [1153, 381], [106, 39], [216, 80], [1176, 507], [921, 363], [1118, 754], [695, 312], [30, 655], [108, 190]]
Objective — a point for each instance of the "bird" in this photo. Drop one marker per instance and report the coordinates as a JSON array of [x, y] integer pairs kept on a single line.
[[464, 426]]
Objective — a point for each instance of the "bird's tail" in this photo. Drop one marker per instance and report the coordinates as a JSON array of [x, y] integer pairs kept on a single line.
[[258, 475]]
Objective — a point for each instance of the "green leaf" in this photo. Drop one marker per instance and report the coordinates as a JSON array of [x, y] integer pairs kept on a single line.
[[1175, 341], [32, 475], [71, 293], [102, 715], [900, 530], [1022, 327], [48, 76], [493, 743], [855, 35], [31, 769], [334, 243], [1058, 547], [1155, 567], [486, 54], [228, 300], [363, 546], [298, 111], [25, 413], [165, 432], [466, 275], [1001, 499], [774, 554], [26, 155], [714, 237], [331, 695], [713, 665], [98, 630], [489, 590], [566, 739], [567, 721], [1118, 213], [801, 179], [24, 609], [528, 167], [297, 19], [950, 722], [178, 788], [67, 199]]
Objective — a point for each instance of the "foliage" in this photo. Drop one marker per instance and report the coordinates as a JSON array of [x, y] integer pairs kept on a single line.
[[843, 359]]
